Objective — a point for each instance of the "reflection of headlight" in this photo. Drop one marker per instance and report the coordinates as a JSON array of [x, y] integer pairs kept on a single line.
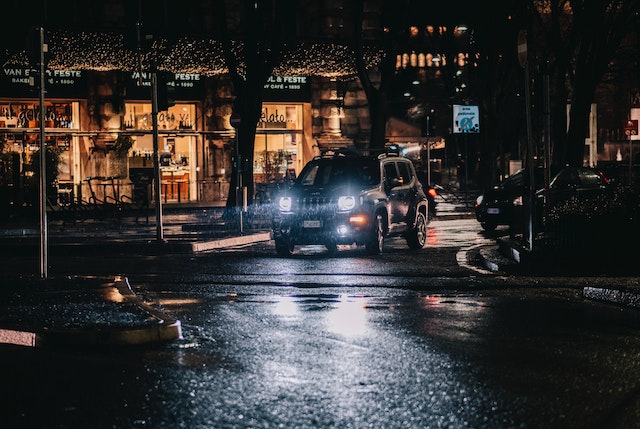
[[346, 203], [284, 204]]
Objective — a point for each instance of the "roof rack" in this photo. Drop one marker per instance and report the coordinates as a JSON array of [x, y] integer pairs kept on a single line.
[[339, 152], [390, 150]]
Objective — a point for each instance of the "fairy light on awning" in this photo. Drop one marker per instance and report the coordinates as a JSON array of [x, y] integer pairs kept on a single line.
[[109, 52]]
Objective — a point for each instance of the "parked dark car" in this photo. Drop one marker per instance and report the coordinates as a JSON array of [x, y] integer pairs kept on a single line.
[[503, 204], [342, 197], [579, 183]]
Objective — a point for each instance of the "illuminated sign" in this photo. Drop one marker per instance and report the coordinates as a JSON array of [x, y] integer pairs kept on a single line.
[[187, 86], [23, 82], [287, 88]]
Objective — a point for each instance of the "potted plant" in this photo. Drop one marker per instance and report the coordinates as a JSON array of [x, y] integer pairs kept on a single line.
[[52, 168]]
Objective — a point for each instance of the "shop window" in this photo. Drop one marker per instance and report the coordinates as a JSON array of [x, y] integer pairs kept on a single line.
[[179, 117], [27, 115]]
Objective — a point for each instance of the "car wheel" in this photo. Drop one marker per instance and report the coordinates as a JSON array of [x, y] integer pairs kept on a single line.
[[284, 247], [376, 238], [488, 226], [418, 235], [332, 247]]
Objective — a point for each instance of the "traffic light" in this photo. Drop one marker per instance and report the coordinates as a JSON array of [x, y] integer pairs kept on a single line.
[[166, 91]]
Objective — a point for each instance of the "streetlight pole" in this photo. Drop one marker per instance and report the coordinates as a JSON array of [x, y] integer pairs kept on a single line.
[[43, 163], [235, 121], [428, 153], [156, 156], [522, 59]]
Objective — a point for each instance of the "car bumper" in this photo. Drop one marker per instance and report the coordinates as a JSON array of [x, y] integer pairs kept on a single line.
[[338, 229], [499, 215]]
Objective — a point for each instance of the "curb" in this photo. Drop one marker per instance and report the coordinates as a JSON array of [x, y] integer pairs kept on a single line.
[[145, 326], [168, 328], [615, 296], [203, 246]]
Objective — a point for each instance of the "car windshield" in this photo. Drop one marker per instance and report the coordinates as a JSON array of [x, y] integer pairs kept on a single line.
[[340, 171]]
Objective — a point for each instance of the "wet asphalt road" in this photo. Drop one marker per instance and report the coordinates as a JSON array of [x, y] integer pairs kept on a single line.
[[398, 341], [335, 357]]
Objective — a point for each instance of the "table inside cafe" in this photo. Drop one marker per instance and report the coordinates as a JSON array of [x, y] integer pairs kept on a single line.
[[175, 183]]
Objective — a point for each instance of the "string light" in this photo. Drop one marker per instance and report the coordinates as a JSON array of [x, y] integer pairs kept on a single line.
[[108, 52]]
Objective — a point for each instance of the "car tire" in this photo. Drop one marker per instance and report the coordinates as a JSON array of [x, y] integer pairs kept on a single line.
[[375, 242], [332, 247], [417, 238], [284, 247]]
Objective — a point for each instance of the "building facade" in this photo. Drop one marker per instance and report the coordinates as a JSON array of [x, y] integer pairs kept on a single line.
[[88, 113]]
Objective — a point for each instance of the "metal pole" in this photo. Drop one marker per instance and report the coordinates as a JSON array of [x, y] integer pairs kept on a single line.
[[156, 156], [547, 131], [530, 167], [630, 160], [428, 153], [428, 163], [466, 171], [43, 164], [239, 192]]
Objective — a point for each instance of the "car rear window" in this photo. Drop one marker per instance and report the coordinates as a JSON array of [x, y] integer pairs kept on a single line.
[[591, 178]]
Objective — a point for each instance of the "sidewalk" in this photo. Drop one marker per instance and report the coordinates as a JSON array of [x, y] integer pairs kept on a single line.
[[80, 312]]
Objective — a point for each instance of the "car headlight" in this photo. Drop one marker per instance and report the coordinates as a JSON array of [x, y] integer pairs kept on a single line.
[[284, 204], [479, 200], [346, 203]]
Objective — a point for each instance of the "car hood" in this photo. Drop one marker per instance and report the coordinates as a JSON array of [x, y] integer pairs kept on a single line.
[[326, 191]]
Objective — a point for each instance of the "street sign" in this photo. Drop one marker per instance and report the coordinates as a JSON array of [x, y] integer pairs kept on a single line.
[[234, 120], [522, 48], [630, 127], [466, 119]]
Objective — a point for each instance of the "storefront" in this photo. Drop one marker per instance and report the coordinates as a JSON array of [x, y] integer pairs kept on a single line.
[[177, 147], [20, 116], [283, 141], [88, 113], [179, 136]]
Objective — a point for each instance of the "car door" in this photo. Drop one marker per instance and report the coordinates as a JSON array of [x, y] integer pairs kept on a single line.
[[563, 186], [397, 192]]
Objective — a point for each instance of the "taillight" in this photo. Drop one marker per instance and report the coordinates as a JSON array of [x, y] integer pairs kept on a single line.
[[432, 192]]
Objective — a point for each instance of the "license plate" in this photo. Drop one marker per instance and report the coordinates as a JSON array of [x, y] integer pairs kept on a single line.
[[311, 224], [493, 210]]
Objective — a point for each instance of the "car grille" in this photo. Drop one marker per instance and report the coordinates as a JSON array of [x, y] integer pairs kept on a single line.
[[315, 205]]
